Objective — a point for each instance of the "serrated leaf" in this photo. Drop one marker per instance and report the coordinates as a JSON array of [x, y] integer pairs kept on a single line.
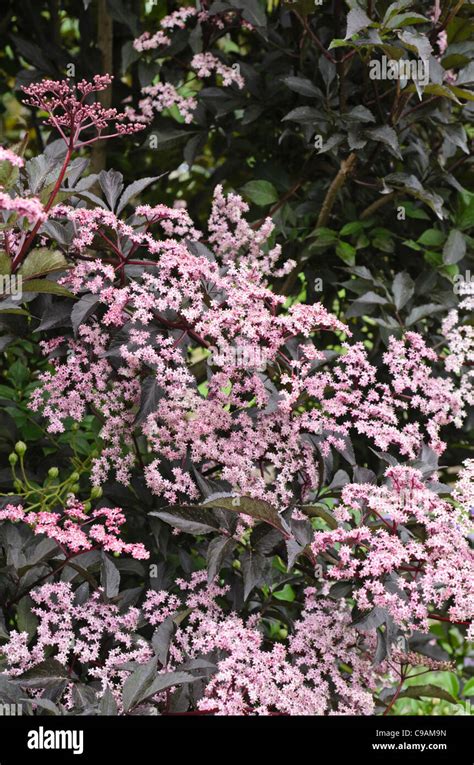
[[192, 520], [107, 704], [136, 685], [151, 392], [357, 20], [45, 673], [109, 576], [111, 183], [133, 189], [254, 568], [217, 550], [386, 135], [84, 308], [167, 680], [161, 639], [403, 288], [256, 508], [303, 86], [422, 312]]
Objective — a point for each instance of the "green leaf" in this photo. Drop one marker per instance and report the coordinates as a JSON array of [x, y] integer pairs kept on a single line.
[[261, 193], [346, 252], [355, 227], [431, 691], [46, 286], [324, 237], [287, 594], [316, 511], [455, 248], [42, 261], [8, 174], [25, 618], [451, 682], [468, 95], [432, 237], [5, 264], [468, 689], [435, 90], [404, 19]]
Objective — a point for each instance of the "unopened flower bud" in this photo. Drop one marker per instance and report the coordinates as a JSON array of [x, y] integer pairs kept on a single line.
[[20, 448]]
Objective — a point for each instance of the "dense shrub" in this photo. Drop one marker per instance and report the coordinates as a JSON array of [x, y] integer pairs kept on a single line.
[[237, 394]]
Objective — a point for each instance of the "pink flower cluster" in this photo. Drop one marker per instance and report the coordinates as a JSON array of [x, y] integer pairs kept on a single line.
[[164, 95], [249, 679], [72, 110], [406, 548], [24, 207], [247, 424], [176, 20], [6, 155], [76, 531], [206, 63], [459, 335]]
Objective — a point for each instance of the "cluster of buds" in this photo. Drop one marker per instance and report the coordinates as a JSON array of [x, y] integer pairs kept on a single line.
[[73, 111]]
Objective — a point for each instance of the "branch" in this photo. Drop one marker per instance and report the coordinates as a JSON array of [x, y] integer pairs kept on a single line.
[[377, 204], [345, 170]]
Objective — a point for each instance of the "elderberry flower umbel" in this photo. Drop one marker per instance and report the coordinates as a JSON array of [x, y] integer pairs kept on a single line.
[[73, 111]]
